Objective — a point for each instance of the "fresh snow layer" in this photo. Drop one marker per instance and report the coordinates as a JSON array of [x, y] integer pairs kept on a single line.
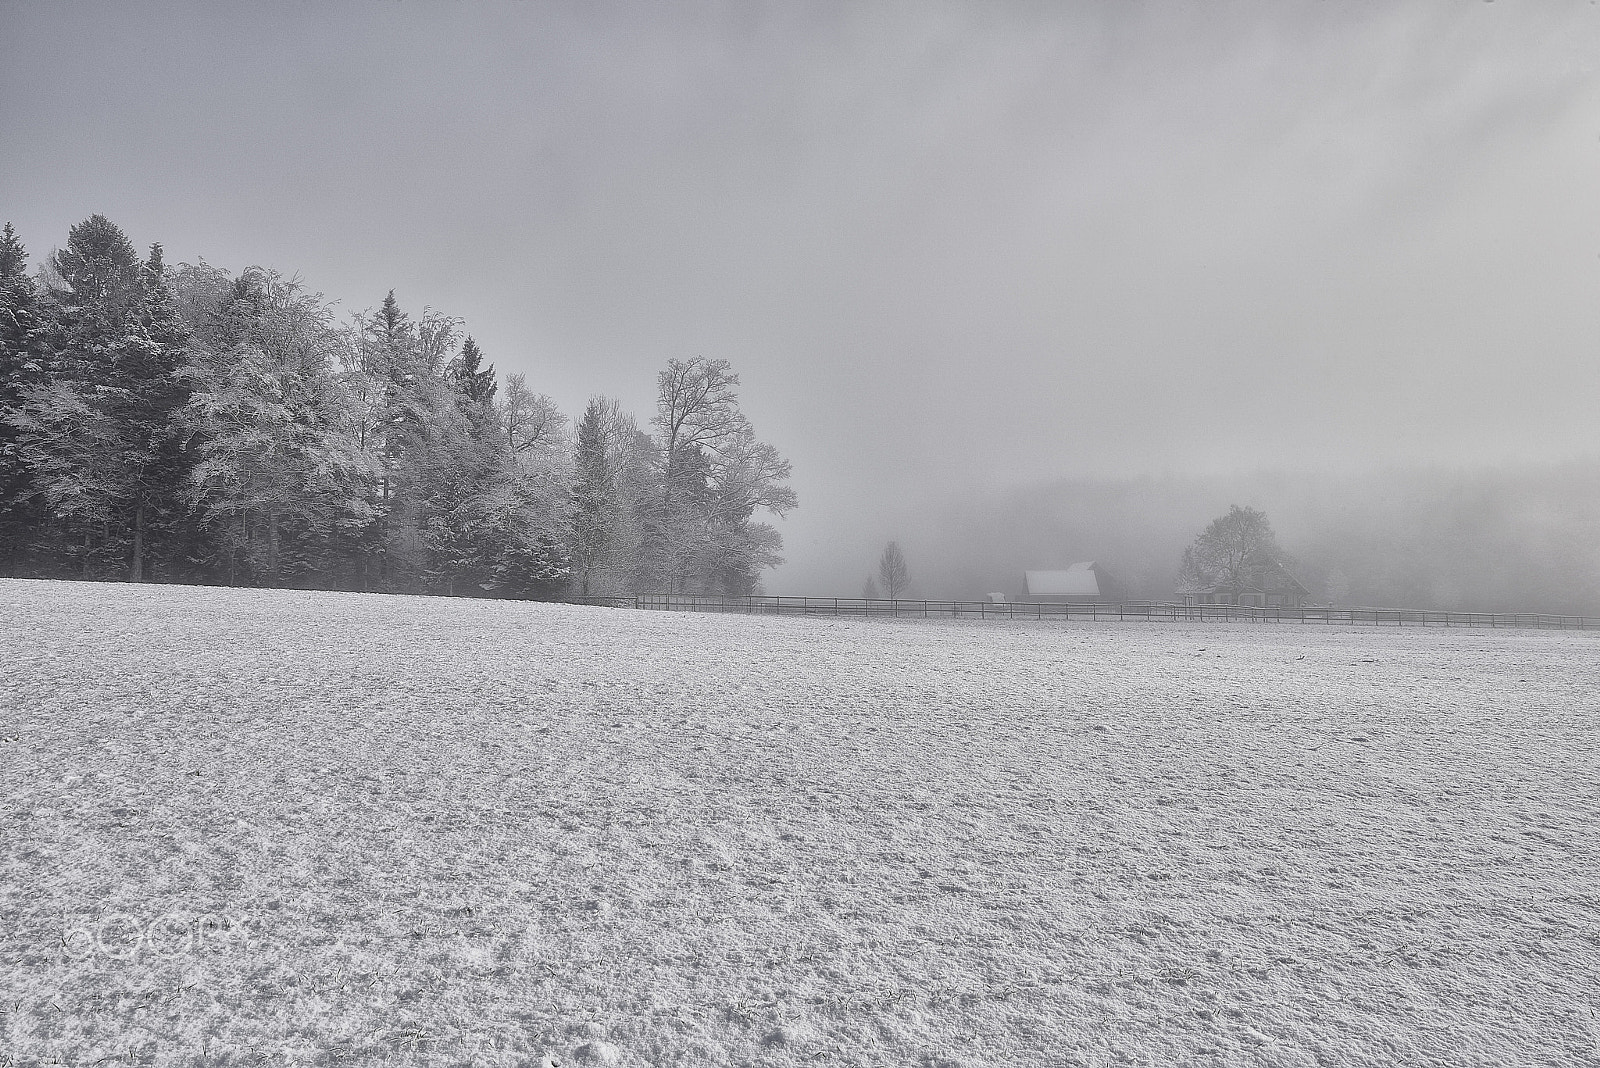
[[270, 827]]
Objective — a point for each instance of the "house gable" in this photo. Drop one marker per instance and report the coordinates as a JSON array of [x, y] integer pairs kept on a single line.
[[1078, 582]]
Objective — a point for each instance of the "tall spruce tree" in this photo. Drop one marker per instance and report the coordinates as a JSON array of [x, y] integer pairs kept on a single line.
[[615, 487], [88, 430], [469, 375], [21, 351], [156, 393], [596, 513], [384, 384]]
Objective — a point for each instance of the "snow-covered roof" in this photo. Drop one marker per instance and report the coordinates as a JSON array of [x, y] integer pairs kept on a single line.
[[1079, 580]]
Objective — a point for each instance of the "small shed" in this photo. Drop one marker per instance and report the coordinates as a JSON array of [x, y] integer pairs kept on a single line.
[[1086, 582]]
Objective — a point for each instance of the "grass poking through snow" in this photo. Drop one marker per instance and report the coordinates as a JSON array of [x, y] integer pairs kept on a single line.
[[265, 827]]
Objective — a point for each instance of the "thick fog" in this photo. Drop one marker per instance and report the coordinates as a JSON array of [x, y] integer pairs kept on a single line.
[[1486, 539], [1012, 284]]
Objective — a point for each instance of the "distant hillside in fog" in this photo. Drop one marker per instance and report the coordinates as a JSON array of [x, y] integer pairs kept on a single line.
[[1525, 537]]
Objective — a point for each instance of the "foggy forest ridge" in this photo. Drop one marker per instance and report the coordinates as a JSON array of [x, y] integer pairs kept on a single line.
[[183, 424], [1516, 536]]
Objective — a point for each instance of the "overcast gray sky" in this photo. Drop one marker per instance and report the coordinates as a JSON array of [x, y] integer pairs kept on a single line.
[[944, 245]]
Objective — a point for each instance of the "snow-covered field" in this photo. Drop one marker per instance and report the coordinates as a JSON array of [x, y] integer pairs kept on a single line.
[[291, 828]]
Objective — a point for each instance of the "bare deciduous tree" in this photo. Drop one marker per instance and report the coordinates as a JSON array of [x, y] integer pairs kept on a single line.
[[893, 574], [713, 476], [1230, 549], [532, 420], [698, 406]]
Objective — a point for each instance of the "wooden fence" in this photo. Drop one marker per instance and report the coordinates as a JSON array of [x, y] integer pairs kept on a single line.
[[1141, 612]]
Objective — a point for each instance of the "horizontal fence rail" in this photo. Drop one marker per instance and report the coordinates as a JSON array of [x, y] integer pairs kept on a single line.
[[1149, 612]]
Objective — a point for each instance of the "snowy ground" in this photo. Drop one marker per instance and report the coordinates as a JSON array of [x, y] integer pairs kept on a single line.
[[292, 828]]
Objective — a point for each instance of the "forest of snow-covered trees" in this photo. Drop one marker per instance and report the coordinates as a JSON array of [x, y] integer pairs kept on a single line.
[[178, 423]]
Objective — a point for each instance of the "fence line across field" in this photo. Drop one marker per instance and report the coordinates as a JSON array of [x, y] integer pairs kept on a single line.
[[1128, 612]]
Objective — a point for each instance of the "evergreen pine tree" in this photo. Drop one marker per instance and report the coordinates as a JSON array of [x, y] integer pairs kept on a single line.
[[155, 394], [13, 256], [469, 375], [20, 351], [385, 385], [82, 458], [93, 427], [594, 497], [102, 273]]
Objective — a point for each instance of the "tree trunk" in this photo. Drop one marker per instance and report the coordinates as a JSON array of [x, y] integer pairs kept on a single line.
[[233, 555], [272, 546], [136, 573], [247, 532]]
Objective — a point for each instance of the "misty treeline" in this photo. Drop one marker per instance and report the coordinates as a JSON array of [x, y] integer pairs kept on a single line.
[[1512, 537], [179, 423]]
